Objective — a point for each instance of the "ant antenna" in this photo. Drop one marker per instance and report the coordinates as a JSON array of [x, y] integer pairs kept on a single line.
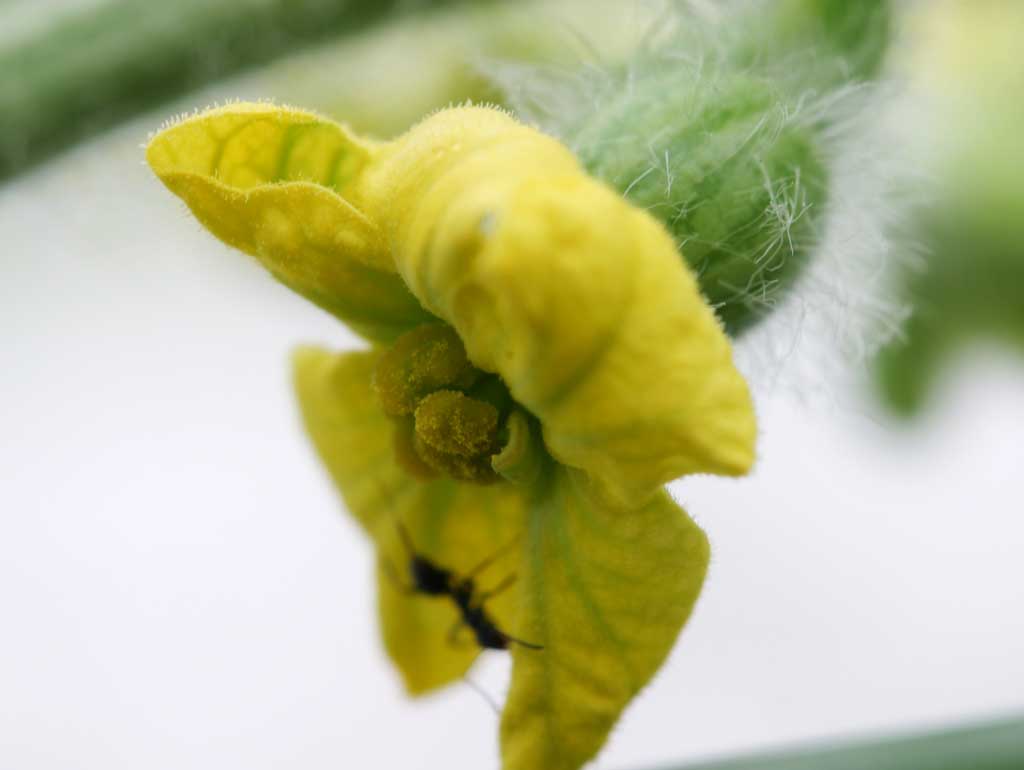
[[493, 557], [503, 586]]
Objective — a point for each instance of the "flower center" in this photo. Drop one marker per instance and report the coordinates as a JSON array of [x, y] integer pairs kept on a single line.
[[449, 416]]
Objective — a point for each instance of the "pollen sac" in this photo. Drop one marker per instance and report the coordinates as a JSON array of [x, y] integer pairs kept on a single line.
[[426, 359], [457, 435], [454, 423], [474, 470]]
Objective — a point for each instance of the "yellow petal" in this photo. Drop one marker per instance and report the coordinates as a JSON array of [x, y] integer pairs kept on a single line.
[[578, 300], [455, 525], [605, 591], [277, 183]]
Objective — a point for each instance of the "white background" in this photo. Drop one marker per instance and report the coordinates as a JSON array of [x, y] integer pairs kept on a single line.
[[179, 586]]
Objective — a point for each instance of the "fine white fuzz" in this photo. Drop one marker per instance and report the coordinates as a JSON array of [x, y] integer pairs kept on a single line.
[[846, 304], [817, 334]]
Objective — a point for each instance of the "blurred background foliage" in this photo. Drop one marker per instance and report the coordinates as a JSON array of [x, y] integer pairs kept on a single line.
[[382, 64], [965, 59], [97, 64], [102, 61]]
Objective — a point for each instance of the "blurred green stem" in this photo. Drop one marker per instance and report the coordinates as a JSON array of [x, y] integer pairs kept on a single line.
[[994, 746], [91, 69]]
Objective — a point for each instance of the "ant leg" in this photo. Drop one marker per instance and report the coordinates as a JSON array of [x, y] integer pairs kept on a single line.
[[504, 585], [480, 690], [483, 694], [493, 557]]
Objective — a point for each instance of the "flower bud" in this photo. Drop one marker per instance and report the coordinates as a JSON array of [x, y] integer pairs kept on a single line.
[[730, 169]]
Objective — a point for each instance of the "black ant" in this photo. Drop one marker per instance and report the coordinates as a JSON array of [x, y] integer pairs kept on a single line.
[[432, 579]]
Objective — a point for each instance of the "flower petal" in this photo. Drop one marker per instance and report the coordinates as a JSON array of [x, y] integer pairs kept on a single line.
[[605, 591], [578, 300], [277, 183], [455, 525]]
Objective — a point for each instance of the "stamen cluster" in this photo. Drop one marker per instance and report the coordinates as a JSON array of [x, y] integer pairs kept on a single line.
[[447, 413]]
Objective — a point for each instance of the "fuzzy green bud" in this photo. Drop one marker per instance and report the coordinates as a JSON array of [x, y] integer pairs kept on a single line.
[[731, 170]]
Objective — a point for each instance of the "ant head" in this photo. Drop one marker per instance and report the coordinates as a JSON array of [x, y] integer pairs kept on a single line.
[[427, 577]]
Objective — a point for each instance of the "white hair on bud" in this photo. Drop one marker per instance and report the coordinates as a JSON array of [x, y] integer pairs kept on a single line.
[[845, 305], [817, 335]]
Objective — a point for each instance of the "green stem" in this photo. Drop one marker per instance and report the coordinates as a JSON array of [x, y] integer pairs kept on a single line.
[[994, 746], [97, 67]]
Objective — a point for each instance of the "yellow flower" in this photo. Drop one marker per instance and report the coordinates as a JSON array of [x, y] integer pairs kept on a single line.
[[542, 364]]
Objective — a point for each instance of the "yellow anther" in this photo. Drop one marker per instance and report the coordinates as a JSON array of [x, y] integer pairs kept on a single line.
[[428, 358], [453, 423], [476, 470], [457, 434]]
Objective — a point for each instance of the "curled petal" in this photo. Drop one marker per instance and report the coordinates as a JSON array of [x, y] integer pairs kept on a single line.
[[277, 184], [578, 300]]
